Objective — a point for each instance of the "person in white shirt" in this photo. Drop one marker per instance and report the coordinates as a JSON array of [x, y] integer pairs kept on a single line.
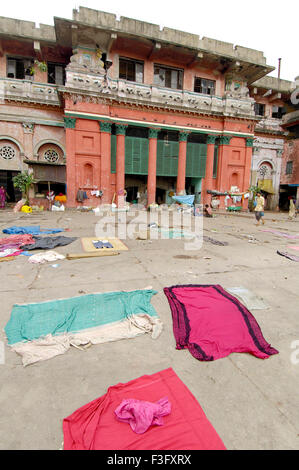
[[259, 209]]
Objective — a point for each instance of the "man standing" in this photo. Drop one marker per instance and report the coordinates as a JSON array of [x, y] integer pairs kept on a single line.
[[259, 209]]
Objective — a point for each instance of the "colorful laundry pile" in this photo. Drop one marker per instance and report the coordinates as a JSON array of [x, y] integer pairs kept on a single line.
[[13, 244], [40, 331], [184, 425], [212, 324]]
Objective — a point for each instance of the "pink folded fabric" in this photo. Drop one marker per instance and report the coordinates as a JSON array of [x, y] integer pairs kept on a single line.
[[143, 414]]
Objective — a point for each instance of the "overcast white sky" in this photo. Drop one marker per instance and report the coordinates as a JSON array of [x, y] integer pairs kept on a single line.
[[270, 26]]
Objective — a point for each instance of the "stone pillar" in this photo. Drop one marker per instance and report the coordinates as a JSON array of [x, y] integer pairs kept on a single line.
[[181, 178], [208, 181], [70, 138], [120, 164], [152, 166], [28, 129], [247, 170], [222, 174], [105, 161]]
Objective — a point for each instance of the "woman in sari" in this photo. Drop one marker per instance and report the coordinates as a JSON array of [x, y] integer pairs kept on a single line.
[[2, 197]]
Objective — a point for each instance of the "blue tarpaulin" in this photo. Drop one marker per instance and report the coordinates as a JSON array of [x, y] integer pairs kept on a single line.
[[189, 200]]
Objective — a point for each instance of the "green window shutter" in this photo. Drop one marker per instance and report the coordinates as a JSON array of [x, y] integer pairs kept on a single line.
[[113, 153], [129, 156], [196, 160], [136, 151], [215, 164], [167, 158]]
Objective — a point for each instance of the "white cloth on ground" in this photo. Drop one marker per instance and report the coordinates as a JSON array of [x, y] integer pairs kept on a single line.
[[50, 346], [44, 257]]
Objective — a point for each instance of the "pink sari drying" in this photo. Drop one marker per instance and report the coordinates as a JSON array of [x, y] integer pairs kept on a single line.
[[212, 324], [96, 426]]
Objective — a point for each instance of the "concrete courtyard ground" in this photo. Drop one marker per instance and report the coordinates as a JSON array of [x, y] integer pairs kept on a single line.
[[252, 404]]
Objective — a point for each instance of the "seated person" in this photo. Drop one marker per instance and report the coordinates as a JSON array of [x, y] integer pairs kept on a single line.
[[207, 211]]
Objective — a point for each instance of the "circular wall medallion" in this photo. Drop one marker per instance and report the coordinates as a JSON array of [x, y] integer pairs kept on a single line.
[[51, 156], [7, 152]]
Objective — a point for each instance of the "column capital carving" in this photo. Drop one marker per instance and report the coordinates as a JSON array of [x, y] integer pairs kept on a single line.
[[105, 126], [249, 142], [121, 129], [153, 133], [183, 136], [211, 138], [28, 128], [69, 123], [225, 140]]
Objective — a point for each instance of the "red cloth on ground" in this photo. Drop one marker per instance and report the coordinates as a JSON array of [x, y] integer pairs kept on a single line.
[[212, 324], [95, 426]]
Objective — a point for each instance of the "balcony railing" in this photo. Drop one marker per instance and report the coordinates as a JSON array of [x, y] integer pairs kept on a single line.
[[92, 86], [28, 91]]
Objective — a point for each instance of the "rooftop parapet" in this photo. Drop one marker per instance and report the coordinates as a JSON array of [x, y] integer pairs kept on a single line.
[[274, 83], [26, 29], [131, 26]]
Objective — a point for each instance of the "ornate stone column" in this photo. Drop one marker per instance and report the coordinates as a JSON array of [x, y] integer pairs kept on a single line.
[[208, 181], [152, 166], [120, 164], [181, 178], [222, 174], [247, 169], [70, 138], [105, 161]]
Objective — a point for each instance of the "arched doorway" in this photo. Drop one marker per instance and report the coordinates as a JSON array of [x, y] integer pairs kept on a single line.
[[265, 183], [10, 166]]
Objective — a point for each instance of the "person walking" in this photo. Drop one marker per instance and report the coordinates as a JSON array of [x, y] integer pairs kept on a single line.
[[259, 209], [292, 209]]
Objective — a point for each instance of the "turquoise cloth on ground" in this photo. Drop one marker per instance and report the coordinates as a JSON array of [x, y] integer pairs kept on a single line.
[[30, 230], [189, 200], [33, 321]]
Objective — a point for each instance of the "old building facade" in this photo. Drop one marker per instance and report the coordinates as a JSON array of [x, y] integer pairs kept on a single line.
[[111, 107]]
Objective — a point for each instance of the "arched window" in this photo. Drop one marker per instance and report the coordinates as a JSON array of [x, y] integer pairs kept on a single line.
[[234, 179]]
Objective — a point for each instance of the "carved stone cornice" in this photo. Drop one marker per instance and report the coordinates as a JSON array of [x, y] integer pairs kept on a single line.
[[96, 89]]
